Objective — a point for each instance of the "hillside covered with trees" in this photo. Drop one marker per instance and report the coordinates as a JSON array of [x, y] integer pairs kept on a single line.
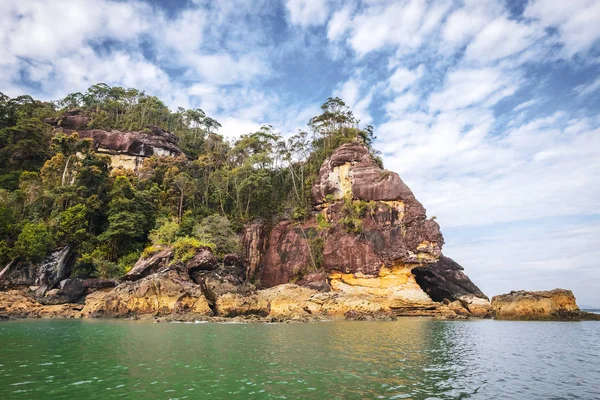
[[56, 190]]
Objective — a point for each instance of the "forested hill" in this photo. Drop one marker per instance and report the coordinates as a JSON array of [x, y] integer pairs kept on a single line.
[[56, 190]]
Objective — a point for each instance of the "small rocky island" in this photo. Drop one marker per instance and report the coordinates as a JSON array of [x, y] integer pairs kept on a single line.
[[339, 237]]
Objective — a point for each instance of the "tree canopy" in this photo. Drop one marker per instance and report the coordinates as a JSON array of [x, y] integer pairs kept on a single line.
[[55, 190]]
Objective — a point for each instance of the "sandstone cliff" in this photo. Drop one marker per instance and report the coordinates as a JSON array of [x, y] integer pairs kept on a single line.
[[366, 251], [367, 235], [126, 149]]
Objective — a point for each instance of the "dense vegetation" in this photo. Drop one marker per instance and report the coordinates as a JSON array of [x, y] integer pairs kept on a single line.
[[55, 190]]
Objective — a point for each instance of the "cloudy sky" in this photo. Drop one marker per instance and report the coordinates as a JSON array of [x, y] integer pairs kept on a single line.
[[488, 110]]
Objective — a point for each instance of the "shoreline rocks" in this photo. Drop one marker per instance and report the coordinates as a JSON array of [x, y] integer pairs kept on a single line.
[[551, 305]]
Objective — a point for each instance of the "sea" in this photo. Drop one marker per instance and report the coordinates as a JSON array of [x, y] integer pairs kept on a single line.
[[411, 358]]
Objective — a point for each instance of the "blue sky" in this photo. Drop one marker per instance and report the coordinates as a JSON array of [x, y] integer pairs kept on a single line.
[[488, 110]]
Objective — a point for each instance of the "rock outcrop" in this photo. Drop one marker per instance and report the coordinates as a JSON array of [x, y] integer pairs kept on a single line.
[[367, 251], [14, 304], [45, 275], [553, 305], [126, 149], [167, 292], [367, 235], [445, 279]]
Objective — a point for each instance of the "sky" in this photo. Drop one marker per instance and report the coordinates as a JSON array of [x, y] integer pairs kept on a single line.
[[488, 110]]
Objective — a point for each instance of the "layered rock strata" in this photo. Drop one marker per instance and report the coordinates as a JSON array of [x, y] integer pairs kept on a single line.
[[553, 305], [370, 235], [126, 149]]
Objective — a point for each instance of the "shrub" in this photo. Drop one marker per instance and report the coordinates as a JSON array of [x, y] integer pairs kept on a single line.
[[166, 232], [322, 223], [96, 263], [217, 229], [185, 248]]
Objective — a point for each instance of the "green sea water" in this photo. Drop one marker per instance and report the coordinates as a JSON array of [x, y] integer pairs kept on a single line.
[[406, 359]]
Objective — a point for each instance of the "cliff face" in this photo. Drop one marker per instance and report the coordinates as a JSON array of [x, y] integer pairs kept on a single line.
[[366, 251], [368, 234], [126, 149]]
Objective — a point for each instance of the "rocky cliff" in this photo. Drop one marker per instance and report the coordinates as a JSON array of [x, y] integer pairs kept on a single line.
[[366, 251], [126, 149], [368, 235]]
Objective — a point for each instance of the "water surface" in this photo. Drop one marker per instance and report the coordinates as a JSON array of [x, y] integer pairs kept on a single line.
[[405, 359]]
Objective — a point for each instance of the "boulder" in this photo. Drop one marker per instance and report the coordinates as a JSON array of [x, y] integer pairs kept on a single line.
[[69, 291], [236, 304], [149, 265], [46, 275], [203, 260], [445, 279], [18, 274], [94, 284], [167, 292], [555, 305], [14, 304], [316, 281]]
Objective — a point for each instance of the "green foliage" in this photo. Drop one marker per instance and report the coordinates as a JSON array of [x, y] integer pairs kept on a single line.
[[73, 225], [217, 230], [322, 223], [317, 246], [165, 234], [34, 242], [128, 261], [354, 211], [185, 248], [57, 180]]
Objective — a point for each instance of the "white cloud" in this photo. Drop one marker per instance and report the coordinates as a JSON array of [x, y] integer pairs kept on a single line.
[[465, 22], [307, 12], [401, 103], [339, 24], [403, 78], [499, 39], [575, 20], [588, 89], [403, 24], [470, 86], [526, 104]]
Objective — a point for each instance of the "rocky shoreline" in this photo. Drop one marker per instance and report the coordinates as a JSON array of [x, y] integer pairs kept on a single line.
[[366, 252]]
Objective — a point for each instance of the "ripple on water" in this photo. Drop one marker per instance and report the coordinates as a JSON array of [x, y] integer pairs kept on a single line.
[[410, 358]]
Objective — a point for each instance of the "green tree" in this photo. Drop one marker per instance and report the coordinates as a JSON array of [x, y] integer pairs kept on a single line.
[[217, 229], [34, 243]]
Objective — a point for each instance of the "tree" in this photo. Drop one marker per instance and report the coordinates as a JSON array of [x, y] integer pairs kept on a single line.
[[217, 229], [34, 243], [126, 220], [73, 225]]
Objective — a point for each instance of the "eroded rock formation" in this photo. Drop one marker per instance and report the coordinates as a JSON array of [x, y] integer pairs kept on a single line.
[[368, 235], [367, 251], [126, 149], [556, 305]]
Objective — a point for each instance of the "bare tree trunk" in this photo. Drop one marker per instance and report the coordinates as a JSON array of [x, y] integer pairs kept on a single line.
[[181, 206], [10, 264], [64, 175]]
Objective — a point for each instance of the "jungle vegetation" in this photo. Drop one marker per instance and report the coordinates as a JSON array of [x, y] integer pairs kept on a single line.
[[56, 191]]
